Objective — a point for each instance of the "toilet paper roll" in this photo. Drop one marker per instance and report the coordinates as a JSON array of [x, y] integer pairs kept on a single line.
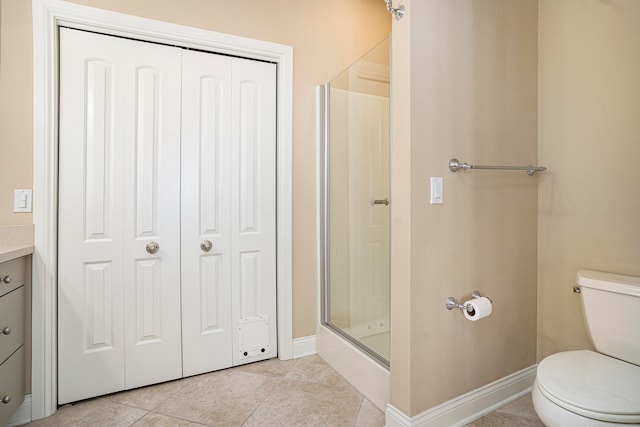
[[481, 308]]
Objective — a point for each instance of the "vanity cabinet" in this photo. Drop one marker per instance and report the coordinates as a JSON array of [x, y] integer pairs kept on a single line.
[[12, 332]]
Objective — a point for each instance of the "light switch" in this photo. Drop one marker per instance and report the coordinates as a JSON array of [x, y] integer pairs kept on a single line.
[[22, 200], [436, 190]]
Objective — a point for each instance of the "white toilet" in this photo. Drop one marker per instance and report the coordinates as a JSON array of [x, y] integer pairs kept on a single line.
[[584, 388]]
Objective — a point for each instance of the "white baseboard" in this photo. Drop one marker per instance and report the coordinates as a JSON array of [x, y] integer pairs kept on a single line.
[[23, 414], [305, 346], [470, 406]]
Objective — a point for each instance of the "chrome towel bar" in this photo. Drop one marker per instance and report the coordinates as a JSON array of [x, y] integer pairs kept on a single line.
[[455, 165]]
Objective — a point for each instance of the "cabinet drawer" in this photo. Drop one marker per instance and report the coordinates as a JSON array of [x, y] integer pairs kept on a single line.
[[12, 317], [12, 385], [16, 270]]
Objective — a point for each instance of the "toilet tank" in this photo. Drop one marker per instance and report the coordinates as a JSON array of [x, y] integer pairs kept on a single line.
[[611, 308]]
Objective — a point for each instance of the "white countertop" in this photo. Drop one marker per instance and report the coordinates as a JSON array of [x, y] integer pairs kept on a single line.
[[15, 241]]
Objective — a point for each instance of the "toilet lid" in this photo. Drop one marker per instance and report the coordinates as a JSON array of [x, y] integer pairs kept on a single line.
[[592, 385]]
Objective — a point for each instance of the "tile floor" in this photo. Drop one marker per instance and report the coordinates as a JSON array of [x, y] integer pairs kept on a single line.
[[519, 413], [302, 392]]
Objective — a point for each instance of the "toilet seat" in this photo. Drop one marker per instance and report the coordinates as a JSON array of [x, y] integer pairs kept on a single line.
[[592, 385]]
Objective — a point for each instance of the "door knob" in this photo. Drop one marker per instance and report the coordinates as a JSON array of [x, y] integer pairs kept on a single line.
[[6, 330], [6, 399], [152, 247], [5, 279], [206, 245]]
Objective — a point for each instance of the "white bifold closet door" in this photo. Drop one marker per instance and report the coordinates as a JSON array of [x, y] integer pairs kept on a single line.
[[174, 148], [229, 200], [119, 186]]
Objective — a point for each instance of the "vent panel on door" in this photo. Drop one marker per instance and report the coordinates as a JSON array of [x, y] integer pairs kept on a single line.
[[254, 337], [98, 157], [98, 322], [147, 142]]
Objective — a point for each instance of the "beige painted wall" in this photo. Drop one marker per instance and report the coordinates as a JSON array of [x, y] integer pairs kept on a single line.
[[16, 117], [473, 86], [401, 260], [589, 137], [327, 37]]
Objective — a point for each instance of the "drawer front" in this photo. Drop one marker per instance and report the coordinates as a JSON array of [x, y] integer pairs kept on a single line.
[[12, 317], [11, 385], [16, 270]]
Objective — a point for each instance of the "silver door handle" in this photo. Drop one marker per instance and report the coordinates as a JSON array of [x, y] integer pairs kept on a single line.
[[6, 330], [6, 399], [380, 202], [6, 279], [152, 247], [206, 245]]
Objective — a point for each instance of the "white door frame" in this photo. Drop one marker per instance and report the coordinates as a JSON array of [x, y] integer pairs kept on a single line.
[[48, 15]]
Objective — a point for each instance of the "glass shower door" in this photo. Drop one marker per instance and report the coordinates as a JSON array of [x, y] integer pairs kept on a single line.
[[357, 204]]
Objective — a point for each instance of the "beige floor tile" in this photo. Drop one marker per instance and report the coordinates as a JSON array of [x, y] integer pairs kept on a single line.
[[519, 413], [369, 415], [522, 406], [97, 412], [148, 397], [153, 419], [314, 369], [272, 367], [225, 398], [298, 403], [500, 419]]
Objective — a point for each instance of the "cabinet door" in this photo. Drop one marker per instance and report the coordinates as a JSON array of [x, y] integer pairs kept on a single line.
[[12, 384], [206, 206], [11, 322], [119, 172]]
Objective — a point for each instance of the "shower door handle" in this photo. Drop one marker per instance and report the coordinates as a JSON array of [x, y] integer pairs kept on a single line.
[[380, 202]]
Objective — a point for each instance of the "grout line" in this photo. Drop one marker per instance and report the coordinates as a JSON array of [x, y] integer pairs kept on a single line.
[[173, 417], [133, 423], [263, 400], [359, 411]]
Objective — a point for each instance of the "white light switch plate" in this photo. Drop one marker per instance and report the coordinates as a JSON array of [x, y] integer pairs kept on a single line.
[[22, 200], [436, 190]]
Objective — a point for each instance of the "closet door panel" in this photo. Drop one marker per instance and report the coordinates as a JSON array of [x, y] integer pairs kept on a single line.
[[152, 209], [253, 211], [90, 241], [206, 200]]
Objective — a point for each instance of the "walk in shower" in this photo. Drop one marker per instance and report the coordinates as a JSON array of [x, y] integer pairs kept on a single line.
[[356, 203]]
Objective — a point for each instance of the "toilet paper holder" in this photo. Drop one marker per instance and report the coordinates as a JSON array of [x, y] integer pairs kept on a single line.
[[451, 303]]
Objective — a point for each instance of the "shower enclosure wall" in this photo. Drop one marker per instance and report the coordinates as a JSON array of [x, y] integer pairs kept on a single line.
[[356, 204]]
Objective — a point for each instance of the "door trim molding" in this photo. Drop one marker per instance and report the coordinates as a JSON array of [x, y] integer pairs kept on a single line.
[[48, 15]]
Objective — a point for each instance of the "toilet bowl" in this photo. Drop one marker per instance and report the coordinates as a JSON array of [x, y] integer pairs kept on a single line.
[[587, 388], [584, 388]]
